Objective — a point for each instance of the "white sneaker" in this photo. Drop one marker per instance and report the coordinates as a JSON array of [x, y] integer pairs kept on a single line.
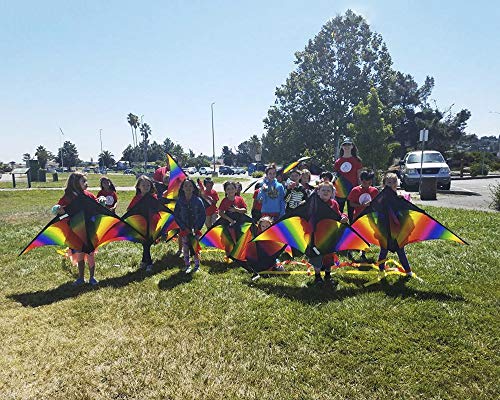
[[188, 270]]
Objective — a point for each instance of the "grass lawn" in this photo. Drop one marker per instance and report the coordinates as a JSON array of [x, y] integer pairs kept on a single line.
[[218, 335]]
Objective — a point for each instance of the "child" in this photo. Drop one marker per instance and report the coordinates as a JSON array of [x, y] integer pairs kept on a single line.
[[239, 188], [211, 197], [108, 191], [391, 180], [232, 207], [257, 205], [272, 195], [361, 196], [305, 179], [190, 216], [144, 187], [295, 192], [349, 166], [325, 192], [76, 185]]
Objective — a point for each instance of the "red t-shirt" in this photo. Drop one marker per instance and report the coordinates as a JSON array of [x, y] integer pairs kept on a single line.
[[257, 205], [66, 200], [349, 168], [226, 203], [136, 199], [160, 173], [111, 197], [213, 198], [362, 195]]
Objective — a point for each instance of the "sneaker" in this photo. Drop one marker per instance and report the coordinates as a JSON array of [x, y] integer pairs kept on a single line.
[[196, 268], [188, 269], [79, 282], [185, 268], [93, 281], [279, 267], [255, 277], [149, 268]]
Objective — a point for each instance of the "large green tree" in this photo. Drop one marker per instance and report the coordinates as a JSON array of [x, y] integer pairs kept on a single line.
[[69, 155], [370, 131], [106, 159], [43, 155]]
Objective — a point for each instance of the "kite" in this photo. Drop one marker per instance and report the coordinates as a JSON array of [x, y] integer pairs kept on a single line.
[[152, 220], [391, 222], [342, 187], [224, 236], [255, 257], [84, 227], [313, 229], [177, 176]]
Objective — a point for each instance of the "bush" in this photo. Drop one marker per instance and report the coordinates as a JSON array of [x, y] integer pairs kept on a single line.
[[479, 169], [495, 196], [257, 174]]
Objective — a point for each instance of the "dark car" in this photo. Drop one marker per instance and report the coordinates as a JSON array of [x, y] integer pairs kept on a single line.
[[225, 170]]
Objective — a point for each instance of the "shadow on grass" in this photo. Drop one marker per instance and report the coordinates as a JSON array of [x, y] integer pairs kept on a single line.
[[218, 267], [174, 280], [315, 294], [67, 290]]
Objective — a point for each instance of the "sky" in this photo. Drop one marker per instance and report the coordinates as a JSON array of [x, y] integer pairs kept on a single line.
[[82, 66]]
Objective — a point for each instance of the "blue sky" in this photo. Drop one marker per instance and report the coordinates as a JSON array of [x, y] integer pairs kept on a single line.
[[84, 65]]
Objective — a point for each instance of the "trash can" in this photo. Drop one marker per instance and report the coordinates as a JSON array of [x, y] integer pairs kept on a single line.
[[55, 178], [428, 189]]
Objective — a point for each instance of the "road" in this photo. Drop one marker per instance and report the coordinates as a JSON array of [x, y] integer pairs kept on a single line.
[[480, 201]]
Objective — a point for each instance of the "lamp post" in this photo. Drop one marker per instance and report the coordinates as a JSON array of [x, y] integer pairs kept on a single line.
[[61, 152], [102, 158], [213, 137]]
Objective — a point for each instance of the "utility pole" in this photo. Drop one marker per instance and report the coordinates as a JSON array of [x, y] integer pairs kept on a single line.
[[61, 152], [213, 136]]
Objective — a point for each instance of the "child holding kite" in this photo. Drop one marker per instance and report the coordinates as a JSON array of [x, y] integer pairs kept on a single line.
[[232, 207], [76, 185], [108, 192], [272, 195], [190, 216]]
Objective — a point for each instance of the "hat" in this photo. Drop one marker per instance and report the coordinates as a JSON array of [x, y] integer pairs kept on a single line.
[[347, 141]]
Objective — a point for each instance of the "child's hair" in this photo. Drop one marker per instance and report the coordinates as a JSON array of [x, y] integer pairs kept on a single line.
[[111, 186], [304, 173], [367, 175], [196, 191], [390, 175], [227, 183], [239, 187], [73, 183], [264, 219], [258, 185], [147, 179], [270, 167], [295, 171], [207, 180], [326, 174]]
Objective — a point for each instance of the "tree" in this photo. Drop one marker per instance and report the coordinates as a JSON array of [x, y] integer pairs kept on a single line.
[[334, 73], [371, 133], [145, 130], [133, 121], [106, 159], [26, 157], [43, 155], [247, 150], [227, 156], [69, 155]]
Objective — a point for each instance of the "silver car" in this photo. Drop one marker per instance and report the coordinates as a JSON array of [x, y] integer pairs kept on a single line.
[[433, 166]]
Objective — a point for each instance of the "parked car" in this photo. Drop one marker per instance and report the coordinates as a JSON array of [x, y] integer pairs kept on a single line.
[[239, 170], [129, 171], [434, 166], [192, 170], [225, 170], [252, 167], [206, 171]]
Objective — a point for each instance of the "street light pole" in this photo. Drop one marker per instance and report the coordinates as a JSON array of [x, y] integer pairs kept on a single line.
[[213, 136], [61, 152], [100, 138]]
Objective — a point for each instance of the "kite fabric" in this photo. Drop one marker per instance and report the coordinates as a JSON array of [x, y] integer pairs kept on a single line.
[[224, 236], [314, 229], [255, 256], [293, 165], [151, 219], [84, 227], [392, 222], [342, 187], [177, 176]]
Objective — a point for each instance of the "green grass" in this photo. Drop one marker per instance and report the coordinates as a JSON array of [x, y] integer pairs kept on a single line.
[[218, 335]]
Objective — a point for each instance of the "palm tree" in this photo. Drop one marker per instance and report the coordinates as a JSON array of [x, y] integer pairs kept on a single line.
[[133, 121], [145, 133], [106, 159]]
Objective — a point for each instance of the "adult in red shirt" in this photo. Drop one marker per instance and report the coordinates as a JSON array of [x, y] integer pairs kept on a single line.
[[159, 175], [362, 195], [348, 166]]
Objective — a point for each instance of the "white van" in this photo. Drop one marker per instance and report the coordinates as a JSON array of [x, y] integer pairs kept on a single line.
[[434, 166]]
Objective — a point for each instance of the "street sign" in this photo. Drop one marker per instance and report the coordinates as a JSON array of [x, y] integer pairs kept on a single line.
[[424, 135]]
